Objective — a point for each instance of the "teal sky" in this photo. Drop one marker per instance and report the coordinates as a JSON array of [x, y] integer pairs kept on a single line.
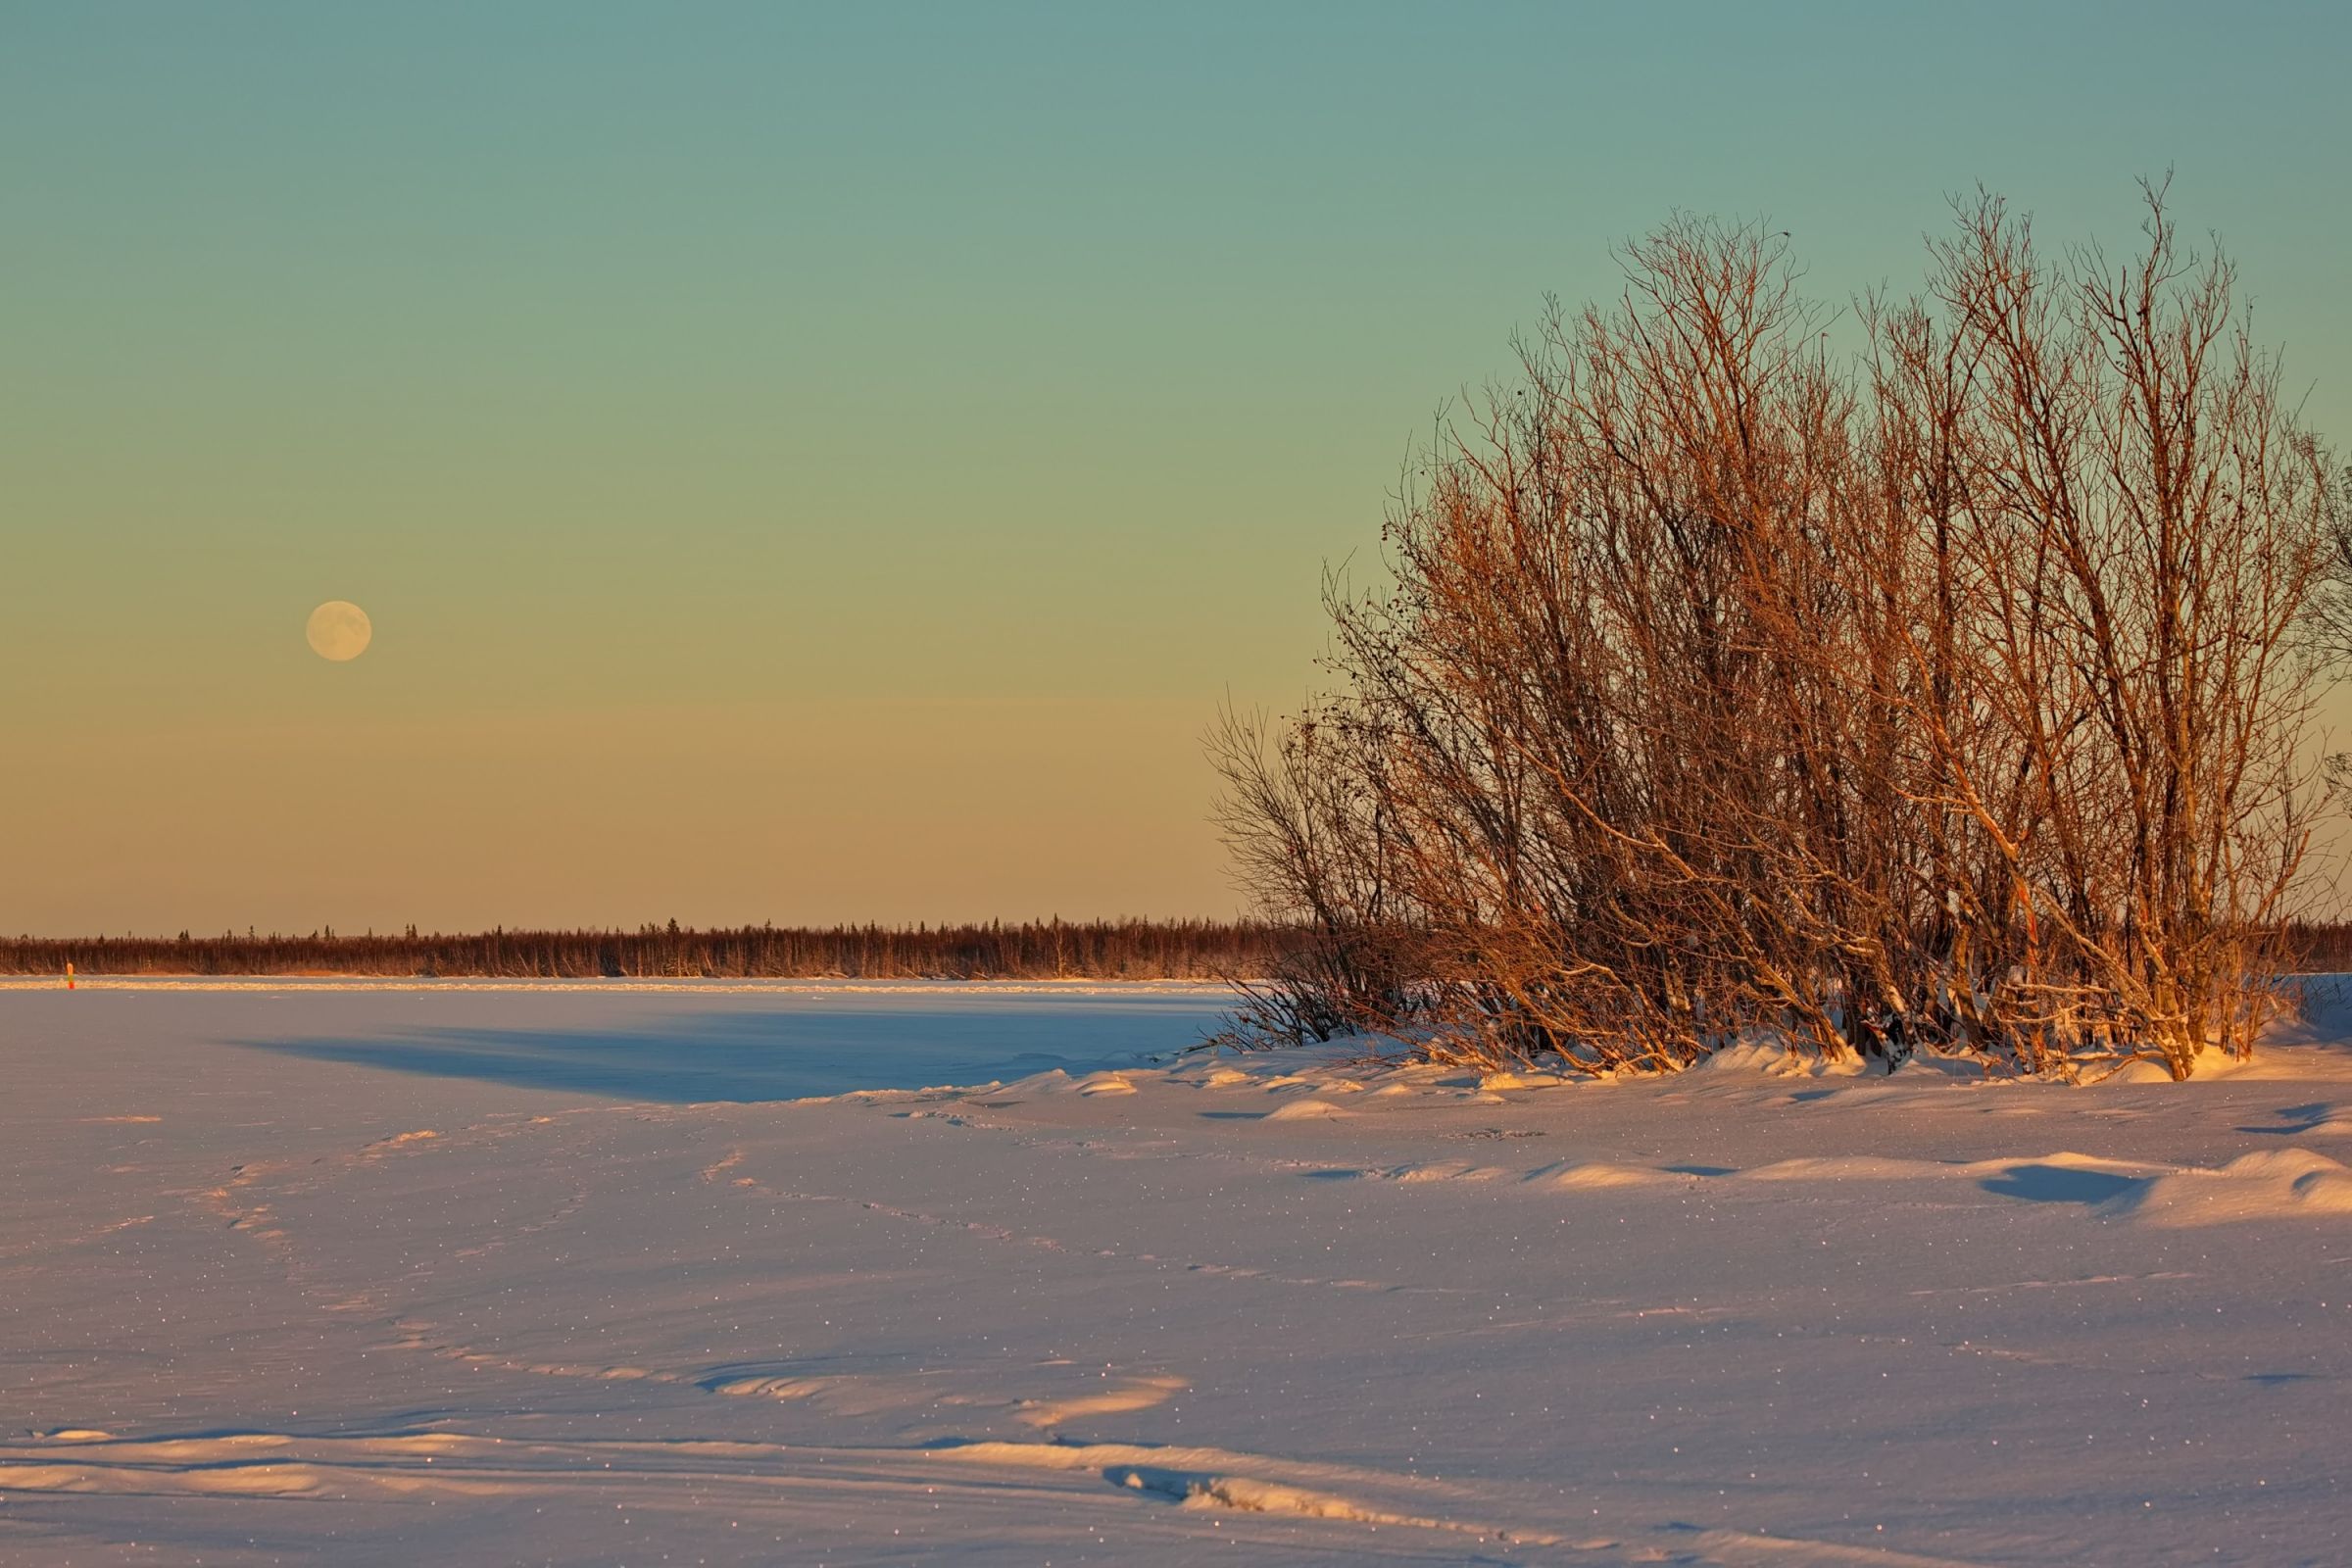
[[813, 464]]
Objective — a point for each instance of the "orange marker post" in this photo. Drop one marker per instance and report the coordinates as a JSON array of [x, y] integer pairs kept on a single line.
[[69, 977]]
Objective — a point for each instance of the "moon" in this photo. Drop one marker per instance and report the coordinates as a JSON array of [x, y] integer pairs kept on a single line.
[[340, 630]]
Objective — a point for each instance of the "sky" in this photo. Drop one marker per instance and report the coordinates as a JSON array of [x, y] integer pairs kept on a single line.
[[830, 463]]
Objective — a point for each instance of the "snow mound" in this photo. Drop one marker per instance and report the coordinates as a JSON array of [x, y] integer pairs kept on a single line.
[[2338, 1125], [1136, 1394], [1052, 1081], [2273, 1183], [1440, 1170], [1055, 1081], [1521, 1080], [1773, 1058], [1304, 1110], [1860, 1168], [773, 1388], [1597, 1174]]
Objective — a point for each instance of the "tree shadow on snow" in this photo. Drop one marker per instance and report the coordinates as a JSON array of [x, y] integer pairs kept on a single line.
[[794, 1053]]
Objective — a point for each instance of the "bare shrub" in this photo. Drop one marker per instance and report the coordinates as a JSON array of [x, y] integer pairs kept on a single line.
[[1956, 698], [1304, 819]]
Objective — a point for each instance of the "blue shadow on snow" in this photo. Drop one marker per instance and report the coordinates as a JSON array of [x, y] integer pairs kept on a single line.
[[2059, 1184], [784, 1052]]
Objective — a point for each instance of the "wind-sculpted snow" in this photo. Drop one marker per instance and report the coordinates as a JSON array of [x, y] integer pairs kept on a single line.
[[376, 1277], [2268, 1184]]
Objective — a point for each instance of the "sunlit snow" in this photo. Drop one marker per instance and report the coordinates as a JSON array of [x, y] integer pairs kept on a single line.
[[704, 1274]]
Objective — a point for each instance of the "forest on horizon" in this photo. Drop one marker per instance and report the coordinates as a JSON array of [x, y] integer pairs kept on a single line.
[[1029, 949]]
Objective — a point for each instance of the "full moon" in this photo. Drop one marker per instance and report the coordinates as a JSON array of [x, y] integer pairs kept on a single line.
[[338, 631]]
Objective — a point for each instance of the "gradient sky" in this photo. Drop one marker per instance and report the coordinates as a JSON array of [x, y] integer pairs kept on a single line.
[[812, 463]]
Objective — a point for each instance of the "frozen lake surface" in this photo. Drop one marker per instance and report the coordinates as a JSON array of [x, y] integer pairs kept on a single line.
[[308, 1273]]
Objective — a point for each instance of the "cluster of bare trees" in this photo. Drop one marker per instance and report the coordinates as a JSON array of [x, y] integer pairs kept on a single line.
[[1730, 684]]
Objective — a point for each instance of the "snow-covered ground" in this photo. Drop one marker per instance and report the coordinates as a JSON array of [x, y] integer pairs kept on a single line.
[[304, 1273]]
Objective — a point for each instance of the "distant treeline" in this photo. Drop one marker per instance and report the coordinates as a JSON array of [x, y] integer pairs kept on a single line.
[[1033, 949], [2319, 947], [1047, 949]]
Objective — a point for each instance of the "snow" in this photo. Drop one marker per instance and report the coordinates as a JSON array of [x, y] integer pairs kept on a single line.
[[708, 1273]]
